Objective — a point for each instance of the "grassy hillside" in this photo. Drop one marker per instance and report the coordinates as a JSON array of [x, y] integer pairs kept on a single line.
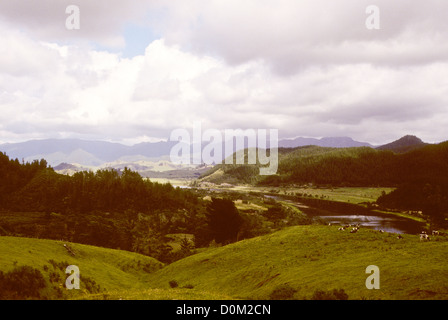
[[101, 269], [305, 259], [104, 273], [295, 263]]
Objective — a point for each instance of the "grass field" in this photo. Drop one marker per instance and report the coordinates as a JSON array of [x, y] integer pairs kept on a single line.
[[310, 258], [110, 269], [296, 262], [349, 194]]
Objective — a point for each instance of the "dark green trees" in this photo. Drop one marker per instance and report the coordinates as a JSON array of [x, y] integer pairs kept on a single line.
[[224, 220]]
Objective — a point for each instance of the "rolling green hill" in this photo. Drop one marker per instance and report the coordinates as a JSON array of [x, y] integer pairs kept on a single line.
[[101, 269], [299, 261], [303, 262], [104, 273]]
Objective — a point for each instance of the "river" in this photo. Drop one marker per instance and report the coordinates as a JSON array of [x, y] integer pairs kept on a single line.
[[341, 213], [344, 214]]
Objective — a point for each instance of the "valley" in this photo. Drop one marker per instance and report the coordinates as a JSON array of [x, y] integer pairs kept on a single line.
[[224, 234]]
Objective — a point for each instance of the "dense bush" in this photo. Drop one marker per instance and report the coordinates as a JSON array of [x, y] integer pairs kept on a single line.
[[335, 294], [283, 292], [23, 282]]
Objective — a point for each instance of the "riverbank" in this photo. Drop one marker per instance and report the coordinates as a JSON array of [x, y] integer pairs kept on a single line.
[[356, 198]]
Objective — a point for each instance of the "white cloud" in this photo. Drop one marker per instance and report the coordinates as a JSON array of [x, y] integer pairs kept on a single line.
[[307, 68], [291, 34]]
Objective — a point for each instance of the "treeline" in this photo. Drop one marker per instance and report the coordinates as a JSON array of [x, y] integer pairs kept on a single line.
[[339, 167], [37, 187], [361, 167], [431, 199]]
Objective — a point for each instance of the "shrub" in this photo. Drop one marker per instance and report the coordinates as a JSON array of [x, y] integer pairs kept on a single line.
[[335, 294], [21, 283], [283, 292], [91, 285], [173, 284]]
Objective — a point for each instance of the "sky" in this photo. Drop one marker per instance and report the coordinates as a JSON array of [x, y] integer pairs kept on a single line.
[[136, 70]]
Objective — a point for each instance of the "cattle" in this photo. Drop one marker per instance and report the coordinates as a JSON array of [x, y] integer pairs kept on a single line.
[[354, 230], [424, 236]]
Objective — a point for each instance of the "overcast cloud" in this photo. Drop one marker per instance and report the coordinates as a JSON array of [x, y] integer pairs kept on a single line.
[[307, 68]]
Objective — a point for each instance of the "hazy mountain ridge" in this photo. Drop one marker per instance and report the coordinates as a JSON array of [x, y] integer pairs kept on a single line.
[[57, 151], [332, 142], [152, 159]]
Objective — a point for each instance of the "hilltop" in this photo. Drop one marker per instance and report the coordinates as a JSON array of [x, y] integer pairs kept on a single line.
[[404, 144]]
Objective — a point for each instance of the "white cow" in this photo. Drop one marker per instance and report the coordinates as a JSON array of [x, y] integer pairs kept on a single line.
[[424, 236]]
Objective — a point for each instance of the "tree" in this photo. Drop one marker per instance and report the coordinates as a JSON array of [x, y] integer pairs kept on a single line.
[[276, 212], [224, 220]]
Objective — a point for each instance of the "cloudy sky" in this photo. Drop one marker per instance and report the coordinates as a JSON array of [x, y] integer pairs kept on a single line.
[[137, 69]]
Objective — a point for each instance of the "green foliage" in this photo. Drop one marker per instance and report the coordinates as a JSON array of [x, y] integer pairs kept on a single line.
[[224, 220], [276, 212], [335, 294], [101, 269], [90, 284], [283, 292], [24, 282], [431, 199], [361, 167], [36, 187], [315, 257], [106, 208]]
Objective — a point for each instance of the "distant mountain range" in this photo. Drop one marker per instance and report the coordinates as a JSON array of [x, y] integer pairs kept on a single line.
[[333, 142], [69, 155], [89, 153]]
